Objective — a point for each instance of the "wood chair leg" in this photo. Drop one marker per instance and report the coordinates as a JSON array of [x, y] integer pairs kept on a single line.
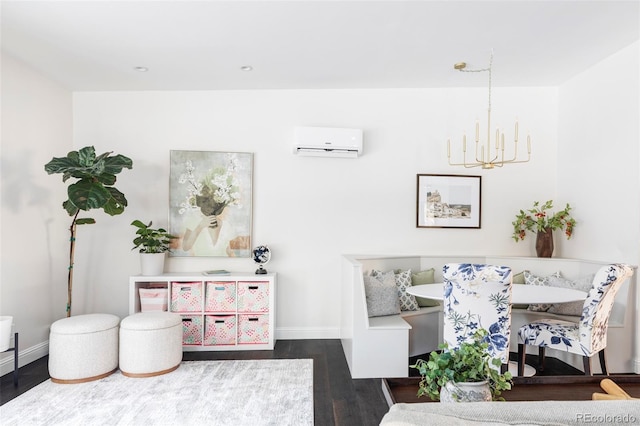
[[586, 362], [522, 353], [603, 362], [541, 358]]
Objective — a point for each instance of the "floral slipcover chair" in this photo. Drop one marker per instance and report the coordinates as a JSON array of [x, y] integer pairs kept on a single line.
[[589, 335], [478, 296]]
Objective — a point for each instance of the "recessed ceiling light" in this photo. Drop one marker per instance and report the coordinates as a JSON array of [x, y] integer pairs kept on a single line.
[[246, 68], [141, 69]]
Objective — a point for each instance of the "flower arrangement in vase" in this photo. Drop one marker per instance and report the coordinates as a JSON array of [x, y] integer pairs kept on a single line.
[[538, 220]]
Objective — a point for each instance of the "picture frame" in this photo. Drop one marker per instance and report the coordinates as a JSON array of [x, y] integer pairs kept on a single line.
[[210, 203], [448, 201]]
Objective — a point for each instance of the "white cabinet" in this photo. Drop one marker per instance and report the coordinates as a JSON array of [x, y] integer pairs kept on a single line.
[[219, 312]]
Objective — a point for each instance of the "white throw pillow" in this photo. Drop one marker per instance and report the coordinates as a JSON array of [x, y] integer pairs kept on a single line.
[[531, 279], [408, 301]]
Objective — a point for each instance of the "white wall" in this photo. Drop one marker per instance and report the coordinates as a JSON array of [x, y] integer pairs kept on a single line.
[[310, 210], [598, 154], [36, 124]]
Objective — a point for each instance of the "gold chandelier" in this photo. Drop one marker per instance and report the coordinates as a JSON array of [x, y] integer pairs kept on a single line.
[[486, 156]]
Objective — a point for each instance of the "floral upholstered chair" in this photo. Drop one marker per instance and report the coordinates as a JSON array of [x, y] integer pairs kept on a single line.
[[589, 335], [478, 296]]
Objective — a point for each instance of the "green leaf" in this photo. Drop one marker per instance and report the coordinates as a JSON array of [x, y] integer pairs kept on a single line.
[[112, 207], [117, 196], [70, 207], [115, 164], [60, 165], [87, 156], [106, 178], [139, 224], [87, 195], [85, 221]]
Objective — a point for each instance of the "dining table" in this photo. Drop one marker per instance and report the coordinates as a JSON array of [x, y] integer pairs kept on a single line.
[[521, 294]]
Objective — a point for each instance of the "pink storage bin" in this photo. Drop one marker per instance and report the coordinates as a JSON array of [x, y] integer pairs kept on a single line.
[[191, 330], [253, 296], [220, 296], [253, 328], [186, 297], [220, 330], [153, 299]]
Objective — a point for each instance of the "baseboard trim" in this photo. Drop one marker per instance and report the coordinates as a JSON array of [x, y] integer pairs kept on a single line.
[[25, 356], [299, 333]]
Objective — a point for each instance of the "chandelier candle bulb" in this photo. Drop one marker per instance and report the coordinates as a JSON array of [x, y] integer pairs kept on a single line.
[[477, 130]]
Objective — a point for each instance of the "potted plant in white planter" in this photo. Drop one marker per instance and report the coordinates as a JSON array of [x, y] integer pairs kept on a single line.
[[153, 244], [465, 373]]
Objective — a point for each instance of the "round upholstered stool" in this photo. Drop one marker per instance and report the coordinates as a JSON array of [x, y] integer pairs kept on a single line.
[[150, 344], [83, 348]]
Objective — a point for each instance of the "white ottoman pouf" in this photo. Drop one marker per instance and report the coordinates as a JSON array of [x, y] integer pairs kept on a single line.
[[150, 344], [83, 348]]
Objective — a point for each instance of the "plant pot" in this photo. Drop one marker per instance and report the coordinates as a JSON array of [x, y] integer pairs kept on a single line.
[[152, 263], [544, 243], [465, 392], [5, 332]]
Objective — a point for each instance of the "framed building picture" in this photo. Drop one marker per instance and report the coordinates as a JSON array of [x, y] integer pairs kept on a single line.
[[448, 201], [210, 203]]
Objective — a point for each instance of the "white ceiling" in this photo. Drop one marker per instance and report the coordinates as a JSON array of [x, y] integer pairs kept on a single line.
[[201, 45]]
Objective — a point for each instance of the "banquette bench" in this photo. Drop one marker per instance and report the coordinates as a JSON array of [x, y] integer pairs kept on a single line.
[[381, 346]]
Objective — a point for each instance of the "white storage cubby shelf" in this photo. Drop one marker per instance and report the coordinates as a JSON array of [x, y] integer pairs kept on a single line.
[[219, 312]]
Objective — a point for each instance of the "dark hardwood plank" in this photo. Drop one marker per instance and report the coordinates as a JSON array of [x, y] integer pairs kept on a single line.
[[542, 388]]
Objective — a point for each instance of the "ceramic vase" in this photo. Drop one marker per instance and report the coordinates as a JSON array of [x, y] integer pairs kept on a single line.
[[152, 263], [465, 392], [544, 243]]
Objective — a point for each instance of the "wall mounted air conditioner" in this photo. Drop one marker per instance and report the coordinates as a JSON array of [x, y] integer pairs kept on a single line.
[[327, 142]]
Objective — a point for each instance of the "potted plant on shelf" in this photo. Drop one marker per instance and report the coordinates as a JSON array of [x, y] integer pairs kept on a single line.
[[96, 175], [465, 373], [543, 224], [152, 243]]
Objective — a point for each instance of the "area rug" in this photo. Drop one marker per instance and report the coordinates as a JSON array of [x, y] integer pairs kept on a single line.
[[234, 393]]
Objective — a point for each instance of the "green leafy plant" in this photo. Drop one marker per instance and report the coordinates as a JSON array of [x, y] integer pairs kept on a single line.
[[470, 362], [93, 189], [537, 220], [151, 240]]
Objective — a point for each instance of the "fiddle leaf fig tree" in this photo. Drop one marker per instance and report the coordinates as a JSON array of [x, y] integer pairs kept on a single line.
[[92, 188]]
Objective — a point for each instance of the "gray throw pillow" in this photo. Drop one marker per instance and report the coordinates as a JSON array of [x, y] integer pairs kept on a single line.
[[403, 280], [570, 308], [382, 295]]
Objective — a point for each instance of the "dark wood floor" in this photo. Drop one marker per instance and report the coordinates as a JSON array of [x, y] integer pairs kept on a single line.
[[338, 399]]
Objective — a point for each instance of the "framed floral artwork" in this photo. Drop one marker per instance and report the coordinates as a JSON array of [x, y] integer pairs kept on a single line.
[[448, 201], [210, 203]]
